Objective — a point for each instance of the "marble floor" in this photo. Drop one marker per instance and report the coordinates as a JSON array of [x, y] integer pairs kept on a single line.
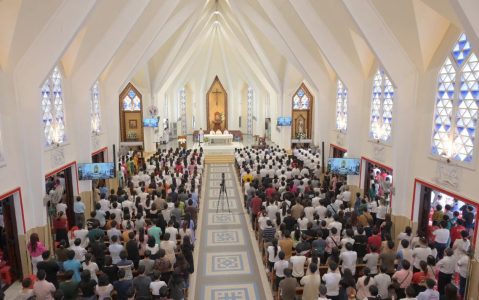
[[228, 266]]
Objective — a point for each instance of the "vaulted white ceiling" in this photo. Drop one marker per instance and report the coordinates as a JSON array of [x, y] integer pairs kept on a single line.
[[165, 44]]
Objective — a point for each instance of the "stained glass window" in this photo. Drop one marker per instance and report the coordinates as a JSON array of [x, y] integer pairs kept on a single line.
[[457, 101], [249, 111], [183, 110], [132, 101], [341, 107], [95, 112], [52, 109], [301, 100], [381, 107]]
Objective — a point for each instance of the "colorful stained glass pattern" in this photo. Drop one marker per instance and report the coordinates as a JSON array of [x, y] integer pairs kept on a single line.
[[183, 110], [249, 111], [301, 100], [381, 107], [95, 112], [457, 104], [131, 102], [341, 107], [52, 109]]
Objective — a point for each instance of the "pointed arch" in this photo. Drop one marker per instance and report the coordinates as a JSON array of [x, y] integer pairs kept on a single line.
[[53, 111], [217, 106], [382, 101], [302, 104], [457, 102], [131, 114]]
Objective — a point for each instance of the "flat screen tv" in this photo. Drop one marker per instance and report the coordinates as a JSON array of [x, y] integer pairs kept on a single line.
[[284, 121], [150, 122], [93, 171], [344, 166]]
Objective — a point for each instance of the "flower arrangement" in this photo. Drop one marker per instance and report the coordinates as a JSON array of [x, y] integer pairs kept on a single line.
[[182, 141], [301, 135]]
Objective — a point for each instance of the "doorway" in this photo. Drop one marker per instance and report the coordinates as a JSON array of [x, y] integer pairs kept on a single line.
[[373, 172], [10, 262], [59, 187], [336, 151], [427, 196]]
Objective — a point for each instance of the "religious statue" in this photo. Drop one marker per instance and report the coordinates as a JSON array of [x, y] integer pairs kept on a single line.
[[300, 130], [217, 121], [201, 136]]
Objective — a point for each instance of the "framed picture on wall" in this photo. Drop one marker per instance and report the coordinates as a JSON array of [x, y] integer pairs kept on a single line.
[[132, 124]]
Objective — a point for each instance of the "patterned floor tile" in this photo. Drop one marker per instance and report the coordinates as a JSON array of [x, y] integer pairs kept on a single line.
[[223, 204], [230, 292], [216, 183], [218, 176], [227, 263], [223, 219], [215, 192], [225, 237], [219, 169]]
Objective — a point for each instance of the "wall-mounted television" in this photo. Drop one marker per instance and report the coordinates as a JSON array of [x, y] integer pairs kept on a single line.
[[150, 122], [93, 171], [344, 166], [284, 121]]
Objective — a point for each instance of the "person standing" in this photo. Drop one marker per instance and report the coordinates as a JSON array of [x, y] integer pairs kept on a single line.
[[35, 249], [50, 266], [42, 288], [311, 283], [79, 210]]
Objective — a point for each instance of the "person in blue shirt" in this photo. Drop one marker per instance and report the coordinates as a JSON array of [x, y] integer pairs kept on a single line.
[[79, 210], [73, 265], [429, 293]]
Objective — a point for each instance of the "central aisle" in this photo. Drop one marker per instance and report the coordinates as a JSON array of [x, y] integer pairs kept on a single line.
[[227, 261]]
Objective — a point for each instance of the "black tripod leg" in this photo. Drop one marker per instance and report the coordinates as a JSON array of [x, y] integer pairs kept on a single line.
[[218, 203], [227, 200]]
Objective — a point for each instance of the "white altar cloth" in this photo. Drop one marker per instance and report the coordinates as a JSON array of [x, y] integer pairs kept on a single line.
[[222, 138]]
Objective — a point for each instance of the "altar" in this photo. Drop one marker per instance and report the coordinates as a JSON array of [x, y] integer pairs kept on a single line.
[[219, 138]]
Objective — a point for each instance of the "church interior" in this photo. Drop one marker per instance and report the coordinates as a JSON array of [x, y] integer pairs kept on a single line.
[[202, 107]]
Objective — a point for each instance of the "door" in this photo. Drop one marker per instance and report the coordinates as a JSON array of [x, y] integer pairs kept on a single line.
[[9, 238], [68, 196], [424, 209]]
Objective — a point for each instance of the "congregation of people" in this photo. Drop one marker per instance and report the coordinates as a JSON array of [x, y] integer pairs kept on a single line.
[[138, 241], [321, 241]]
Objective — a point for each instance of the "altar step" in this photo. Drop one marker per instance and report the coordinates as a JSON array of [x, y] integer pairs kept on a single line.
[[219, 159]]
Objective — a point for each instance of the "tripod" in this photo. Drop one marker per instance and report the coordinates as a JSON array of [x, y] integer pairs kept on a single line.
[[221, 197]]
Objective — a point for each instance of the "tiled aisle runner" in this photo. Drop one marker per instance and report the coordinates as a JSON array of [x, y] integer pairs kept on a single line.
[[227, 267]]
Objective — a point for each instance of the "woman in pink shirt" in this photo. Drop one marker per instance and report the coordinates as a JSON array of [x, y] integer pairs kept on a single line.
[[35, 249], [403, 277]]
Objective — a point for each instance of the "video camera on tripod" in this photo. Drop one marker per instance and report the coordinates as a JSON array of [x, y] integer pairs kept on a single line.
[[223, 195]]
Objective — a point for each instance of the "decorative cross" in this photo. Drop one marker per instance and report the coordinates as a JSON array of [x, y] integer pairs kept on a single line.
[[216, 94]]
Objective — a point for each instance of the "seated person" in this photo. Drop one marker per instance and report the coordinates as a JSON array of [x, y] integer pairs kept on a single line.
[[212, 132], [218, 132], [226, 131]]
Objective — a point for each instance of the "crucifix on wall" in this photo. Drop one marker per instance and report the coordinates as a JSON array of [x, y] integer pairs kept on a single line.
[[216, 95]]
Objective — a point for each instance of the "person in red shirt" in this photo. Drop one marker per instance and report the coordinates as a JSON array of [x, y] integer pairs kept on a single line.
[[456, 230], [374, 239], [270, 191], [255, 208]]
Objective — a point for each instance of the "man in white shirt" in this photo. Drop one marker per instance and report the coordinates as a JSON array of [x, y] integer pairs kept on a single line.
[[81, 233], [331, 280], [349, 258], [298, 265], [442, 236], [383, 281], [420, 253], [446, 267], [346, 196], [104, 203], [79, 250], [62, 207], [173, 231]]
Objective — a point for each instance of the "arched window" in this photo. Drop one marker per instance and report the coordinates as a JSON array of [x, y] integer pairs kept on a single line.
[[457, 101], [52, 109], [302, 113], [95, 112], [381, 107], [131, 101], [249, 110], [341, 107], [182, 109]]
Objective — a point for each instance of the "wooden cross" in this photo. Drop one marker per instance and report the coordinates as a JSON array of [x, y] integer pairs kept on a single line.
[[217, 92]]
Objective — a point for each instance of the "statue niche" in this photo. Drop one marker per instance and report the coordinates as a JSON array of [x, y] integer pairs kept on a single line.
[[216, 105]]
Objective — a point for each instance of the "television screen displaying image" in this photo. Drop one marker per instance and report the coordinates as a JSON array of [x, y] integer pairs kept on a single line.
[[150, 122], [344, 166], [284, 121], [93, 171]]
